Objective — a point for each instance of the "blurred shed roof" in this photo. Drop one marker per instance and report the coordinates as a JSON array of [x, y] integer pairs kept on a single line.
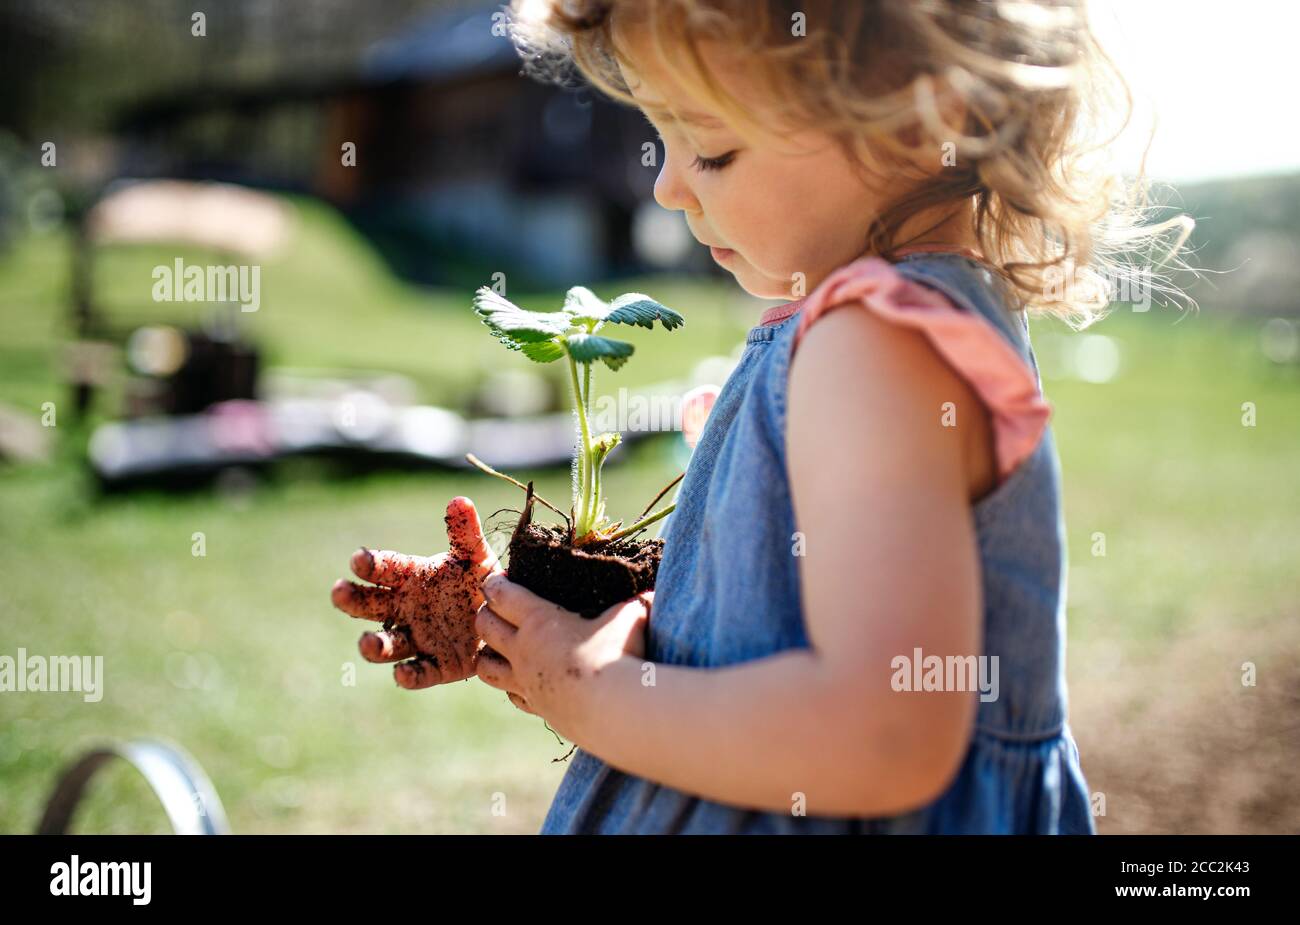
[[447, 44]]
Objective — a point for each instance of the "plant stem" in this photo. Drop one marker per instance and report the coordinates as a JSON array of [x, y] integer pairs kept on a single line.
[[584, 455], [595, 494], [594, 476], [644, 522], [586, 387]]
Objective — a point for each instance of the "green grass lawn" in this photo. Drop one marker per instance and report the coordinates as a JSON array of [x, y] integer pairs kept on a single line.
[[239, 656]]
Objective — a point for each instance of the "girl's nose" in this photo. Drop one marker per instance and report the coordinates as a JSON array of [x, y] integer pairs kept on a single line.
[[671, 189]]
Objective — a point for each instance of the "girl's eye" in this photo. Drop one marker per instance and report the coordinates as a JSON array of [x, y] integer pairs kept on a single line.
[[713, 163]]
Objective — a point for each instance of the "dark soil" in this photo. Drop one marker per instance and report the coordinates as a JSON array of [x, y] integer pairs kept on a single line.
[[587, 579]]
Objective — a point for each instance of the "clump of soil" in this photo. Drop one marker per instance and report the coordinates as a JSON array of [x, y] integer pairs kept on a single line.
[[586, 579]]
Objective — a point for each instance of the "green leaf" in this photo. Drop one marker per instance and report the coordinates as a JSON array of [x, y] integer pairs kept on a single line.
[[543, 351], [510, 323], [630, 308], [635, 308], [584, 305], [586, 348]]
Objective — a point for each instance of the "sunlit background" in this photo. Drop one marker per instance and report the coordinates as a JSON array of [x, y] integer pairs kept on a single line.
[[1211, 78], [181, 482]]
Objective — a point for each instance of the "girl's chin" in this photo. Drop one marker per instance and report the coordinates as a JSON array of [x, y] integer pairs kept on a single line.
[[754, 282], [760, 287]]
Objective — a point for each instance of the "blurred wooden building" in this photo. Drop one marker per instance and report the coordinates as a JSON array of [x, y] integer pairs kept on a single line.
[[462, 166]]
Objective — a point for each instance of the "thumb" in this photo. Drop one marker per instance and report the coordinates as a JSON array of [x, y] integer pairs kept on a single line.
[[465, 534]]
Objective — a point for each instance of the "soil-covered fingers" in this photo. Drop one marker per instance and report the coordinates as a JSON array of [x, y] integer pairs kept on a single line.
[[419, 673], [385, 567], [465, 535], [386, 646], [360, 601]]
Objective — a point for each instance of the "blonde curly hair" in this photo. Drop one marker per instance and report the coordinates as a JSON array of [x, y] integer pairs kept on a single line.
[[1025, 83]]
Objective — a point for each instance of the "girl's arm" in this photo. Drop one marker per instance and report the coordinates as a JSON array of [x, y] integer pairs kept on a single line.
[[881, 494]]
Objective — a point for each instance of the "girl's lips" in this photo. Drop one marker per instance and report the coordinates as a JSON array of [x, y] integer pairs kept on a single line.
[[720, 253]]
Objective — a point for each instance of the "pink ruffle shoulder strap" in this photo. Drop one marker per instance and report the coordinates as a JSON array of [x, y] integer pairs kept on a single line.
[[967, 342]]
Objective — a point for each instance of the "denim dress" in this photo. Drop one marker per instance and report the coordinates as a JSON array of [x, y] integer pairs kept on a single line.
[[726, 595]]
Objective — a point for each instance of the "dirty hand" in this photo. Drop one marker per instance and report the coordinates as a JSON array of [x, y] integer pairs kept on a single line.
[[542, 654], [427, 603]]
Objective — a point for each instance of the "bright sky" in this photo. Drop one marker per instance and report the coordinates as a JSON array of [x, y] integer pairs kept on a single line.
[[1220, 77]]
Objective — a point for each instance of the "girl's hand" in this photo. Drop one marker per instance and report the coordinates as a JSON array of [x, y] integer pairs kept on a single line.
[[542, 655], [427, 603]]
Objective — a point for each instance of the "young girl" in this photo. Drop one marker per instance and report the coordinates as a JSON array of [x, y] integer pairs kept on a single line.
[[859, 620]]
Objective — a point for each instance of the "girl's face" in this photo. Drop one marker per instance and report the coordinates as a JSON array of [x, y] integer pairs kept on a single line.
[[787, 211]]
